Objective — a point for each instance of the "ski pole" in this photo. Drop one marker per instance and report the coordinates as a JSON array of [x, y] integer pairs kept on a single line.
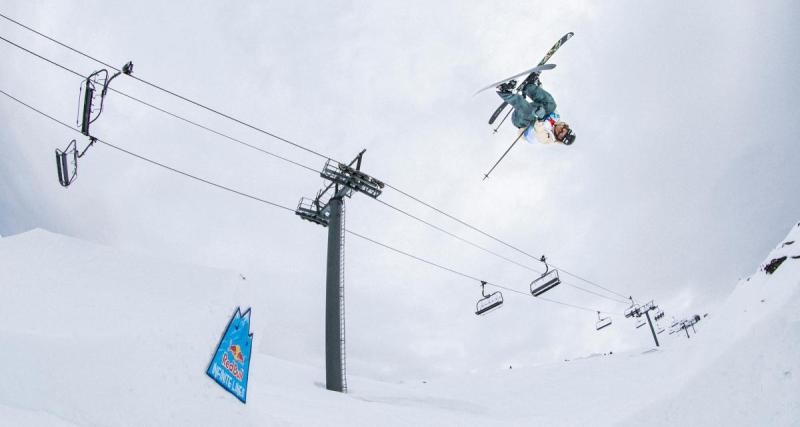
[[504, 119], [504, 154]]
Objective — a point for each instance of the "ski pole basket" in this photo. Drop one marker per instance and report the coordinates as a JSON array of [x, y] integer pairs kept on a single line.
[[602, 322], [488, 302], [548, 280]]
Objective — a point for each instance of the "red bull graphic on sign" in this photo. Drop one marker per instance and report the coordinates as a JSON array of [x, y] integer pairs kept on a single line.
[[231, 363]]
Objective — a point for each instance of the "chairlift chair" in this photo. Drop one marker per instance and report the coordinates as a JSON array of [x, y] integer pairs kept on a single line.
[[488, 302], [659, 314], [602, 322], [640, 322], [633, 310], [676, 326], [548, 280], [67, 170], [67, 174], [87, 95]]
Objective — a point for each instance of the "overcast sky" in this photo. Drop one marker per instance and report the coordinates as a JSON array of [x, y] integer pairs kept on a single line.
[[682, 178]]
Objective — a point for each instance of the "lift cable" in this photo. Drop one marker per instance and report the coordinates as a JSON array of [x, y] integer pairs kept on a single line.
[[299, 165], [206, 128], [149, 160], [271, 135], [625, 301], [249, 196], [196, 103], [456, 272], [498, 240]]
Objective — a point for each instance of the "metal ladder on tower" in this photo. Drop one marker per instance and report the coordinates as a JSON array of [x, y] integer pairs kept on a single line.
[[341, 303]]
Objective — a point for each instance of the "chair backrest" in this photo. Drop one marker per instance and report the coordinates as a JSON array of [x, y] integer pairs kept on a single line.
[[489, 303], [547, 281], [602, 323]]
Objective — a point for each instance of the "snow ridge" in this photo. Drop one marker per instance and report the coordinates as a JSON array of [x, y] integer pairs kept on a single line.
[[94, 336]]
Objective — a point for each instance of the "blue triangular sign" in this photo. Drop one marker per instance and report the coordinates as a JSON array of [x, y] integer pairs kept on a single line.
[[230, 365]]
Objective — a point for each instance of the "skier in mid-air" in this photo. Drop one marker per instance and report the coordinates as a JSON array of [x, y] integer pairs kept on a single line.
[[538, 117]]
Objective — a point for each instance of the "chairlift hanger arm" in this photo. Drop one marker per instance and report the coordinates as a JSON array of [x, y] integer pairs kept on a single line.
[[488, 302], [127, 69]]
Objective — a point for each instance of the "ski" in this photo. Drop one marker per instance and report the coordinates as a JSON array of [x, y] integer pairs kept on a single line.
[[533, 75]]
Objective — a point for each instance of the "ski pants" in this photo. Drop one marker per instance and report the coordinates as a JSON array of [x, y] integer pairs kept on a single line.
[[523, 110]]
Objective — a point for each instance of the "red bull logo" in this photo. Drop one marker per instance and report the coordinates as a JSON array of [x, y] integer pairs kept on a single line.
[[232, 367], [236, 350]]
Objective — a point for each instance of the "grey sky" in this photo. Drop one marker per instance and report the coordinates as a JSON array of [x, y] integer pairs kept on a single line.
[[680, 181]]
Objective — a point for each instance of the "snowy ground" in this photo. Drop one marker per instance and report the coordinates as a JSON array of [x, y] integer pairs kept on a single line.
[[92, 336]]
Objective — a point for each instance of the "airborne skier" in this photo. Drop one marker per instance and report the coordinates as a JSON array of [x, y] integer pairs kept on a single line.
[[539, 114], [538, 117]]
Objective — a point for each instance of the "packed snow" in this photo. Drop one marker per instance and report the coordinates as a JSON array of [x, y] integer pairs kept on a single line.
[[94, 336]]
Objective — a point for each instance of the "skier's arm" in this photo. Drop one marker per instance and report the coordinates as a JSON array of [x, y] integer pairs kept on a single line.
[[543, 133]]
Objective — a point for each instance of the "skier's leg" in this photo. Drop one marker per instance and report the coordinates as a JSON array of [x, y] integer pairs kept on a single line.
[[516, 101], [540, 100], [533, 91], [522, 109]]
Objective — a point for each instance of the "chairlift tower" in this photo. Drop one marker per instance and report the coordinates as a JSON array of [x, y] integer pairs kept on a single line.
[[684, 325], [344, 180], [644, 310]]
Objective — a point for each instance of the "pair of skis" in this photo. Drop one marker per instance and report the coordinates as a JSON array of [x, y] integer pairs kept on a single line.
[[532, 76]]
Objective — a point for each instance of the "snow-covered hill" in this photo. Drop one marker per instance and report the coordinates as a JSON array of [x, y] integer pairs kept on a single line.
[[93, 336]]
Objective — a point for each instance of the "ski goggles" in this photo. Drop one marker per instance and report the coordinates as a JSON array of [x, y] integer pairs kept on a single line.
[[569, 138]]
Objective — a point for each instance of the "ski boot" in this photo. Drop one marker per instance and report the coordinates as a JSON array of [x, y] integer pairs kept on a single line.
[[506, 87], [533, 80]]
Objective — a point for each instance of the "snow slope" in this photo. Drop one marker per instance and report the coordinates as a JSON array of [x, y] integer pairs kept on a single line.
[[93, 336], [744, 368]]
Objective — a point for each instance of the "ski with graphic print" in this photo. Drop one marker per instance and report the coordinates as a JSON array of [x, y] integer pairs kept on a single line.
[[532, 77]]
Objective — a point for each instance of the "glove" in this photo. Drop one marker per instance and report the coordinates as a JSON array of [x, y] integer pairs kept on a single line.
[[539, 113]]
